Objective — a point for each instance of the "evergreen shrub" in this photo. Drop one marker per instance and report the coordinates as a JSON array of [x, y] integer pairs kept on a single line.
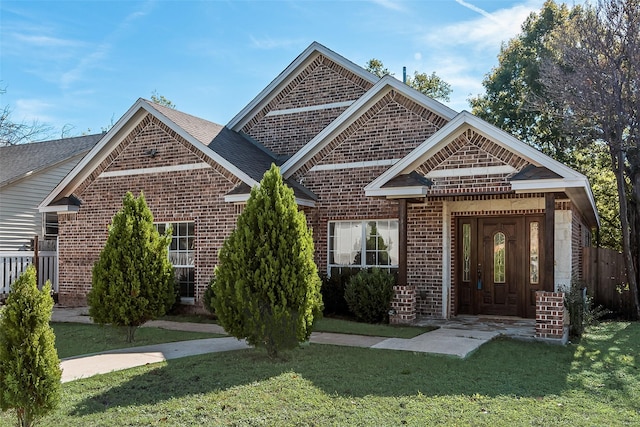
[[29, 365], [369, 294]]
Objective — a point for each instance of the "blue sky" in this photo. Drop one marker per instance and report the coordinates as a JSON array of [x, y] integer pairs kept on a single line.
[[80, 65]]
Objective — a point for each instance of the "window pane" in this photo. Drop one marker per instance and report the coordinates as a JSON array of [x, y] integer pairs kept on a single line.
[[346, 247], [499, 258], [466, 252], [534, 264]]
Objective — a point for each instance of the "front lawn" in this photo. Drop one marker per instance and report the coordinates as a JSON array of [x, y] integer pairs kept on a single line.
[[504, 383], [74, 339]]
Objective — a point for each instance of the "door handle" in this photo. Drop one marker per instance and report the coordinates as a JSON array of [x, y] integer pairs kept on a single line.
[[479, 276]]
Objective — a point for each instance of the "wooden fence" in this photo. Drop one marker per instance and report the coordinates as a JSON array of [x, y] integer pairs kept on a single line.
[[605, 277], [12, 264]]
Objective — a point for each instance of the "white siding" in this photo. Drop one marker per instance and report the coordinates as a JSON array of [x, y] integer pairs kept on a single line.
[[19, 216]]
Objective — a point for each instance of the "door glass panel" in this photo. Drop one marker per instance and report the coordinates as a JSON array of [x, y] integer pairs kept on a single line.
[[466, 252], [534, 254], [499, 258]]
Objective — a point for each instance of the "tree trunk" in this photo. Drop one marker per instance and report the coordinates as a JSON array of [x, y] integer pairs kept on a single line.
[[630, 265]]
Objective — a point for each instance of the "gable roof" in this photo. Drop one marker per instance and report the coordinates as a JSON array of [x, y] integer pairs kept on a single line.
[[355, 110], [238, 154], [288, 74], [198, 132], [19, 161], [548, 175]]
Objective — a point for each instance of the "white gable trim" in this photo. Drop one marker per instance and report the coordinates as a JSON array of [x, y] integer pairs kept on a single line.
[[353, 165], [458, 172], [309, 108], [267, 94], [161, 169], [121, 129], [451, 130], [242, 198], [379, 90]]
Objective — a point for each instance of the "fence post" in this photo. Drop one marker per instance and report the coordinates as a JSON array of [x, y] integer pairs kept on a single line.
[[36, 263]]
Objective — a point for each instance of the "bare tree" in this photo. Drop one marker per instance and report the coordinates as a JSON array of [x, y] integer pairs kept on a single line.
[[596, 80], [12, 133]]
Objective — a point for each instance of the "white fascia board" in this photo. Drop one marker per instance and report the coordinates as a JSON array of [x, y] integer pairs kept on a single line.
[[546, 185], [236, 198], [59, 209], [242, 198], [397, 192], [265, 96], [345, 119]]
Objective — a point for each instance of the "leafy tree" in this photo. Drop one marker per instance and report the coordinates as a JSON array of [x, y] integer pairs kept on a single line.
[[133, 280], [29, 366], [161, 100], [13, 133], [516, 100], [595, 79], [266, 286], [431, 85], [375, 66]]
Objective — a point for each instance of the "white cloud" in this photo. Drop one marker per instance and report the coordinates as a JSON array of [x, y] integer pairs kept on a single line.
[[389, 4], [101, 51], [487, 31], [267, 43], [29, 110]]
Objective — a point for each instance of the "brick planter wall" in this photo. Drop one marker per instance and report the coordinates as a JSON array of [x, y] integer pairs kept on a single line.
[[403, 305], [551, 318]]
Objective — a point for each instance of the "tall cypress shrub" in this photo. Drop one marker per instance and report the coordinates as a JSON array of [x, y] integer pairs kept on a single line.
[[133, 280], [266, 287], [29, 365]]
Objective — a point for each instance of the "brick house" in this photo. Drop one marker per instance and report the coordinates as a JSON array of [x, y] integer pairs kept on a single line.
[[469, 218]]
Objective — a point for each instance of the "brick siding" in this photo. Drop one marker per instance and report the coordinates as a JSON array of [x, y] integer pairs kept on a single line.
[[196, 196]]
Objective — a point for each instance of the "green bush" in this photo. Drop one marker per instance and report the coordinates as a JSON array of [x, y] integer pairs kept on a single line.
[[29, 365], [267, 287], [369, 294], [332, 290], [133, 280], [582, 312]]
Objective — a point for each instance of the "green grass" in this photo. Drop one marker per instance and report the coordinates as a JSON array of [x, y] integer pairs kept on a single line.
[[341, 326], [330, 324], [73, 339], [504, 383]]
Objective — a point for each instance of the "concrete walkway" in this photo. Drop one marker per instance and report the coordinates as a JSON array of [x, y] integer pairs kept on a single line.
[[451, 341]]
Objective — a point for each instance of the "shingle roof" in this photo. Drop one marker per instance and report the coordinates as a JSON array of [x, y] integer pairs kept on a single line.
[[241, 151], [252, 158], [16, 161], [535, 172], [201, 129]]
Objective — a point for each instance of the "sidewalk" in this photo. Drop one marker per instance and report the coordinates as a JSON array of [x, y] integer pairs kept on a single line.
[[445, 341]]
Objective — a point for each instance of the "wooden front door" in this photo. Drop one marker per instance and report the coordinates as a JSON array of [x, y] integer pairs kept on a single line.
[[497, 265]]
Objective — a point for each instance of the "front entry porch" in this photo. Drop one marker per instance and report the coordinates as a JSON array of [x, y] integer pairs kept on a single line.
[[512, 327]]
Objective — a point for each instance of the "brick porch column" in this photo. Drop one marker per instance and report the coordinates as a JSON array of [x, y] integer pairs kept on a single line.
[[552, 321], [403, 306]]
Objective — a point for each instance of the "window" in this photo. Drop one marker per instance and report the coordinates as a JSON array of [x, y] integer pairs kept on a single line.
[[50, 224], [466, 252], [182, 254], [499, 258], [534, 253], [349, 240]]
